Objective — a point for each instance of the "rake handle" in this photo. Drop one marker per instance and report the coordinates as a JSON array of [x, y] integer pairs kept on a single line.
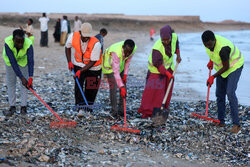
[[169, 87], [208, 88], [77, 81], [45, 104], [125, 117]]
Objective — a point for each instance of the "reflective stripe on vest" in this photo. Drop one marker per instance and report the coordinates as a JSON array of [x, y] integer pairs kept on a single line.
[[166, 64], [236, 60], [232, 62], [79, 56], [167, 61], [21, 56]]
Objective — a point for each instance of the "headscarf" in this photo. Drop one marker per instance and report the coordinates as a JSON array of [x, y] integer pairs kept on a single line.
[[166, 33]]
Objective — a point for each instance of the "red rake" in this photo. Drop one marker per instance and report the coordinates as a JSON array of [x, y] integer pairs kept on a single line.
[[63, 123], [204, 115], [124, 127]]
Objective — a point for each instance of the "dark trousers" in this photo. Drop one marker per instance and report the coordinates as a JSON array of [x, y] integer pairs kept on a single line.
[[227, 86], [91, 81], [44, 38], [116, 109]]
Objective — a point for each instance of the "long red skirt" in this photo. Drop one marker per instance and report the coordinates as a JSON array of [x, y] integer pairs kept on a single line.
[[153, 94]]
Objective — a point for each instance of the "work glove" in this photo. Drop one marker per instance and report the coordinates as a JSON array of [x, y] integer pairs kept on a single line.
[[71, 66], [124, 78], [210, 81], [169, 75], [30, 82], [123, 92], [78, 73], [210, 65]]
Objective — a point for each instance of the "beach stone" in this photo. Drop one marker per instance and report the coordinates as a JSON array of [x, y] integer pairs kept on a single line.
[[102, 152], [182, 136], [187, 157], [2, 118], [31, 142], [178, 155], [24, 141], [43, 158]]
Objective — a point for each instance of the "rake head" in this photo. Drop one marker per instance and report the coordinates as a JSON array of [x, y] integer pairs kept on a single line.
[[64, 124], [123, 128], [214, 121]]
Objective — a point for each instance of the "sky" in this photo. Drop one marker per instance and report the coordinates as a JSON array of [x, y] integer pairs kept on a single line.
[[211, 10]]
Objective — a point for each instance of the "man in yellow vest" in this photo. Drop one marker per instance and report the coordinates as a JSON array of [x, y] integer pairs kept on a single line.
[[86, 62], [228, 62], [115, 65], [19, 61]]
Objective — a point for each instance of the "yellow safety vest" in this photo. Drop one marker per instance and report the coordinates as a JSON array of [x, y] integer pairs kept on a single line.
[[167, 61], [21, 57], [32, 38], [235, 58], [107, 57]]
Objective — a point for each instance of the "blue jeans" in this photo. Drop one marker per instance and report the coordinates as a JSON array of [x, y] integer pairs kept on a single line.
[[227, 86]]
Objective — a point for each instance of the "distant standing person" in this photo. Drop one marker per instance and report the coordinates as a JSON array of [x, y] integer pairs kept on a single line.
[[101, 35], [228, 62], [44, 30], [29, 30], [19, 62], [64, 30], [68, 24], [57, 32], [152, 34], [77, 24]]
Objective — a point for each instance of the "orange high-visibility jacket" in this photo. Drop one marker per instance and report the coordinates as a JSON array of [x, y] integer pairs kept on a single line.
[[79, 56]]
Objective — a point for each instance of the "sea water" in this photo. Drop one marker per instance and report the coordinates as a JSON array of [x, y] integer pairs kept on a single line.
[[192, 72]]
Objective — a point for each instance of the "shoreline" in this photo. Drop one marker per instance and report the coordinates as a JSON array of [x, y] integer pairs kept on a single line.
[[53, 59], [120, 22]]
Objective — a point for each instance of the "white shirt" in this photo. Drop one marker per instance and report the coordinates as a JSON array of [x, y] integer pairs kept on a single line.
[[44, 23], [77, 25], [29, 29], [95, 54], [64, 26]]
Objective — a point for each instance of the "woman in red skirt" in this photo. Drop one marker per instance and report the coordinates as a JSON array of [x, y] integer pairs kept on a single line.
[[161, 66]]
